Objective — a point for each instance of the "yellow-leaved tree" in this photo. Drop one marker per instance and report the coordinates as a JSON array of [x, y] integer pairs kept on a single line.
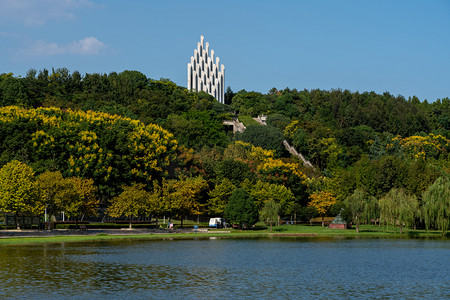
[[18, 190], [51, 186], [322, 201], [263, 192], [132, 202], [111, 150], [184, 197], [78, 198]]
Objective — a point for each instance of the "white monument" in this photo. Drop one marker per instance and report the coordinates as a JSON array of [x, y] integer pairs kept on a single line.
[[204, 74]]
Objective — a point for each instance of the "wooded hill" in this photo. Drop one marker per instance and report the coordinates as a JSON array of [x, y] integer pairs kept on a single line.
[[357, 142]]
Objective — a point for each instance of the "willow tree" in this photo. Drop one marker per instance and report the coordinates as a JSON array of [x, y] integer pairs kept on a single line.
[[361, 205], [270, 212], [397, 207], [436, 205], [18, 190]]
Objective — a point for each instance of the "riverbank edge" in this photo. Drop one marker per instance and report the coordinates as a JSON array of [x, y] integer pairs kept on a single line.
[[29, 240]]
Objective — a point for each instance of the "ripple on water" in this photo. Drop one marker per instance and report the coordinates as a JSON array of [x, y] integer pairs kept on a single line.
[[226, 268]]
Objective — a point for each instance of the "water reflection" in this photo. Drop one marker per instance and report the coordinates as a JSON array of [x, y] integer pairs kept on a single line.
[[241, 268]]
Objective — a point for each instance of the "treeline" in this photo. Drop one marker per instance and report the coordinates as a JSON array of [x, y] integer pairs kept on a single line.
[[363, 142]]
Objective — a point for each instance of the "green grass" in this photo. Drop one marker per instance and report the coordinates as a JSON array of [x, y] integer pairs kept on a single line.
[[366, 231], [247, 120]]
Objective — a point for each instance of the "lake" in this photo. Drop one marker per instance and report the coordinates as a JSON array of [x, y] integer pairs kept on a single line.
[[290, 268]]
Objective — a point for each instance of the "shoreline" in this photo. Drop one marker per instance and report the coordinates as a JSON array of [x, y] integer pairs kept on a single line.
[[28, 237]]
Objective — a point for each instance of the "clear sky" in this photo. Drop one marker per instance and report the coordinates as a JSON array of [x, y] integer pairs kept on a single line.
[[402, 47]]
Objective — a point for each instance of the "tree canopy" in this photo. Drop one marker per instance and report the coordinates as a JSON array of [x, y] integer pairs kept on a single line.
[[116, 130]]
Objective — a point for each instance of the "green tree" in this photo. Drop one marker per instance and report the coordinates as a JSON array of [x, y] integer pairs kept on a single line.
[[263, 192], [219, 197], [51, 187], [249, 103], [132, 202], [235, 170], [18, 190], [228, 95], [300, 141], [270, 212], [241, 209], [12, 91], [359, 203], [196, 129], [436, 205], [186, 196], [78, 198], [267, 137], [288, 174], [397, 207], [278, 120]]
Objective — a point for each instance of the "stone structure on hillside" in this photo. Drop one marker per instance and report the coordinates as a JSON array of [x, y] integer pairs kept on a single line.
[[205, 74]]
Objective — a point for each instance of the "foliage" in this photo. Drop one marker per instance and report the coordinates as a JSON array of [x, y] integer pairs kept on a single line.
[[241, 209], [235, 170], [219, 197], [196, 129], [436, 205], [369, 141], [322, 201], [397, 207], [51, 187], [284, 173], [376, 177], [109, 149], [266, 137], [78, 198], [247, 152], [264, 192], [361, 205], [18, 189], [279, 121], [185, 197], [300, 141], [421, 147], [249, 103], [270, 212], [132, 202]]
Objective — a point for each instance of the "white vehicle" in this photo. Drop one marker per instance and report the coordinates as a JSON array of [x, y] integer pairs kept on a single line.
[[217, 222]]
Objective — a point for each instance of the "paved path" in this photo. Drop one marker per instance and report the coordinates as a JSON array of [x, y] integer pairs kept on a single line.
[[75, 232]]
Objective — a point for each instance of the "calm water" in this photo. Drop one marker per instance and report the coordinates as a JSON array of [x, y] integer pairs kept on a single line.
[[289, 268]]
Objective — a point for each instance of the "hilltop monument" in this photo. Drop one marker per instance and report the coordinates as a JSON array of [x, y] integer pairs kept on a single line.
[[205, 74]]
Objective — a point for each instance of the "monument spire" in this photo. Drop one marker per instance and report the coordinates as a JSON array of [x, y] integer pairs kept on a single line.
[[205, 74]]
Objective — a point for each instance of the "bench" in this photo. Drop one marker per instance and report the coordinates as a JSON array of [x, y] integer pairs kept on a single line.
[[83, 227]]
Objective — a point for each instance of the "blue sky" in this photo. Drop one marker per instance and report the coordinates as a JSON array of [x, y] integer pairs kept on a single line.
[[402, 47]]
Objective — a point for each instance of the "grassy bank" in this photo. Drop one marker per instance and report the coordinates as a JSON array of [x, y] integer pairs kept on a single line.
[[366, 231]]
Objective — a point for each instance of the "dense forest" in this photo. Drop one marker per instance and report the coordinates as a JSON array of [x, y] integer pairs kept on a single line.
[[149, 146]]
